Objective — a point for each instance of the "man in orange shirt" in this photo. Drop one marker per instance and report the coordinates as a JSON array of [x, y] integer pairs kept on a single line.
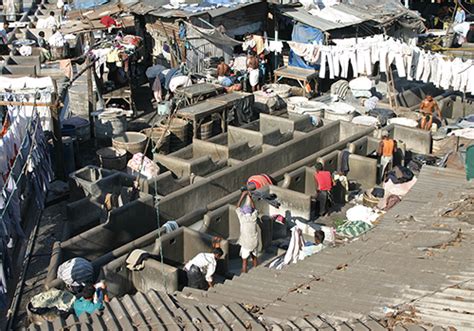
[[387, 147], [256, 182]]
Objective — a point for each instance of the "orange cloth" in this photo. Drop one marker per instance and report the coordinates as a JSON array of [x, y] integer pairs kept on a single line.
[[388, 147], [260, 181]]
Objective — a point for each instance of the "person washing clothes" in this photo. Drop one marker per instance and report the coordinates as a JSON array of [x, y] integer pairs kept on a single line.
[[223, 73], [253, 70], [324, 184], [201, 268], [249, 238], [256, 182], [86, 304], [387, 147], [317, 246], [427, 108]]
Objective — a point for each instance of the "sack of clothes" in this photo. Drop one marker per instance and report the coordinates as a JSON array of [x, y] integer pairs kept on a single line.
[[400, 175], [352, 229], [49, 305]]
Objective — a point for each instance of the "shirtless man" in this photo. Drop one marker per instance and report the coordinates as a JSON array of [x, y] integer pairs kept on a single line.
[[426, 109], [252, 68], [223, 71]]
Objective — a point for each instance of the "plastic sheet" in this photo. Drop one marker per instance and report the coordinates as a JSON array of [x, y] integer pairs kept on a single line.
[[86, 4]]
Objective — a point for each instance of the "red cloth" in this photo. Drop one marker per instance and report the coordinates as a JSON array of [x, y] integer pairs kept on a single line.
[[324, 180], [108, 21], [260, 181]]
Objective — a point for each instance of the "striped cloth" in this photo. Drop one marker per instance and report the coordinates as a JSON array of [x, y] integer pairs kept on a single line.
[[76, 272], [352, 229]]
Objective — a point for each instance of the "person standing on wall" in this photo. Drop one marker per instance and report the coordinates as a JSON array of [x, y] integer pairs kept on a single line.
[[387, 147], [324, 184], [427, 108], [249, 236]]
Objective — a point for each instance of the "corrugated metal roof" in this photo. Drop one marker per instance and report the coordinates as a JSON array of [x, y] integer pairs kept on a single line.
[[158, 311], [301, 15], [415, 261], [157, 10], [390, 266], [380, 11]]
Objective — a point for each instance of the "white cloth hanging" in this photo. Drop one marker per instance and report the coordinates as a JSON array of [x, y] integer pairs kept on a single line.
[[294, 252]]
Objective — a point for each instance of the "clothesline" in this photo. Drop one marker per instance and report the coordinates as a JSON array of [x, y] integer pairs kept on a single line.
[[21, 103], [15, 186]]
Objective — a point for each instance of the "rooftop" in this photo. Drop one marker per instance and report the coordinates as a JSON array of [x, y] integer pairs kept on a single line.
[[417, 262]]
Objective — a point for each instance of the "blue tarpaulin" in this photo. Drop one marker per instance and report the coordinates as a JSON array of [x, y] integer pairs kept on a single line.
[[305, 34], [87, 4]]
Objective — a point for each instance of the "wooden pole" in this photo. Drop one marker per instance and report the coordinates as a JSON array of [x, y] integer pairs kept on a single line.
[[57, 135]]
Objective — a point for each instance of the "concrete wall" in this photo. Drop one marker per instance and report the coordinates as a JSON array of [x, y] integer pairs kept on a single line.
[[125, 224], [300, 151], [155, 276], [363, 170], [416, 140], [290, 124], [200, 166], [330, 161], [81, 216], [237, 135], [364, 146], [294, 205], [84, 182]]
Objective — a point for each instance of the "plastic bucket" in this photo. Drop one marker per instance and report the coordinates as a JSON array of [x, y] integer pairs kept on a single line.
[[68, 130], [156, 133], [207, 130], [164, 108], [68, 150], [132, 142], [292, 102], [81, 127], [109, 123], [112, 158], [179, 129]]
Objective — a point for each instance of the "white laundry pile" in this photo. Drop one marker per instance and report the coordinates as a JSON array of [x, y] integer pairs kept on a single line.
[[403, 121], [361, 87], [56, 40], [464, 133], [140, 164], [25, 50], [362, 213]]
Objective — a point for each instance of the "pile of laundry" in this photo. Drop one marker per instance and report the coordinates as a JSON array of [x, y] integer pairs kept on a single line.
[[298, 248], [142, 166], [115, 53], [399, 182], [360, 219], [464, 127]]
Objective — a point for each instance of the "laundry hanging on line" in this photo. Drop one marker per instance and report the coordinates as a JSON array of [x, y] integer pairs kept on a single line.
[[411, 62]]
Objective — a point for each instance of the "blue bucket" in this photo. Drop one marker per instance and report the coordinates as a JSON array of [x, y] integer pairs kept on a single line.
[[68, 130]]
